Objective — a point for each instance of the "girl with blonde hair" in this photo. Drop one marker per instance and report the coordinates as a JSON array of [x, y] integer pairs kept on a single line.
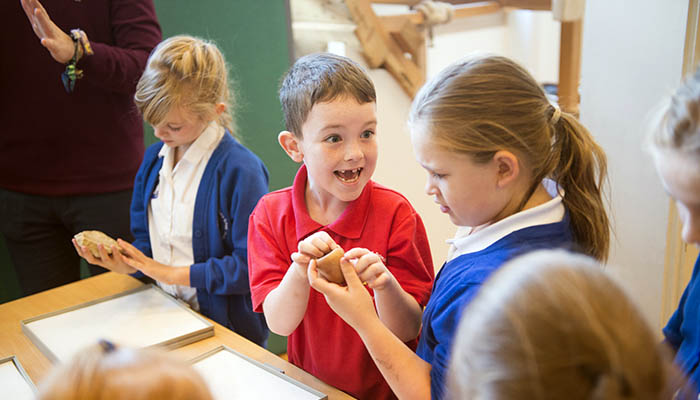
[[558, 328], [675, 146], [515, 172], [194, 191], [107, 372]]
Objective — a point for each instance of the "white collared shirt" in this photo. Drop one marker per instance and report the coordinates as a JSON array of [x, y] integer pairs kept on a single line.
[[550, 212], [171, 209]]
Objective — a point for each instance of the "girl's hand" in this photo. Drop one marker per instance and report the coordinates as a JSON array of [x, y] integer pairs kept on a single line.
[[353, 302], [152, 268], [370, 268], [314, 246], [114, 262], [57, 42]]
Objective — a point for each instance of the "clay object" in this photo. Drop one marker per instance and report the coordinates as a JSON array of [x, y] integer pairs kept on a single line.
[[91, 239], [329, 266]]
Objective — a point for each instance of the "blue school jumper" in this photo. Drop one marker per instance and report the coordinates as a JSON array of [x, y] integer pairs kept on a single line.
[[459, 281], [233, 182], [683, 333]]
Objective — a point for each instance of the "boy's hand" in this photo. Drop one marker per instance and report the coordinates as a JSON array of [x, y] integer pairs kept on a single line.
[[370, 268], [353, 302], [114, 262], [314, 246]]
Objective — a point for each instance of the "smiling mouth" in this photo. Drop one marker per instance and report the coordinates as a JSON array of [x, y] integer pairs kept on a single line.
[[348, 175]]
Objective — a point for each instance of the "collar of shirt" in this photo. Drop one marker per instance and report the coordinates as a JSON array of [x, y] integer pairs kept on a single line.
[[550, 212], [350, 223], [195, 151]]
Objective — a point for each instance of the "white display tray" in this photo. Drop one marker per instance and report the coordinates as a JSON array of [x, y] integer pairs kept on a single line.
[[141, 317], [231, 375], [15, 383]]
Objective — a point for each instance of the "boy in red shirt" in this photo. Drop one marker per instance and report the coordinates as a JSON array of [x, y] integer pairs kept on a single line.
[[329, 105]]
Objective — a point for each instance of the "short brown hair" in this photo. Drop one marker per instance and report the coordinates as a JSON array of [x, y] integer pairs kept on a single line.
[[319, 78]]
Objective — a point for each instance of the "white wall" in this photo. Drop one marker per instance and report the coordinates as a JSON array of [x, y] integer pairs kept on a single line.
[[632, 56]]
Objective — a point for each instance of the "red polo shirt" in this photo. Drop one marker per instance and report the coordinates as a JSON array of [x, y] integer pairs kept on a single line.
[[380, 220]]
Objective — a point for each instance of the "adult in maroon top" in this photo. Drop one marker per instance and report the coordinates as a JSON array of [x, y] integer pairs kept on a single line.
[[68, 160], [380, 220]]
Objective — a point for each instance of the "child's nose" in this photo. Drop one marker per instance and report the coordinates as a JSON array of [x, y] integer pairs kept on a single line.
[[353, 151], [429, 187]]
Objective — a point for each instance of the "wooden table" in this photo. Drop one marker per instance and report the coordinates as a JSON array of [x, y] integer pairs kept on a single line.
[[14, 342]]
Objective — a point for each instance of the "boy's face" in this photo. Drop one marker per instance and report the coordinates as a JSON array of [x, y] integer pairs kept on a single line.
[[339, 148]]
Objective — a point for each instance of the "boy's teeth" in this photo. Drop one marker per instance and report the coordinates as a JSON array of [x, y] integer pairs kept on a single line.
[[348, 175]]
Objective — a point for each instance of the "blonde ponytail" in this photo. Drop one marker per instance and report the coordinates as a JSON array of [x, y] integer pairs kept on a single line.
[[581, 170]]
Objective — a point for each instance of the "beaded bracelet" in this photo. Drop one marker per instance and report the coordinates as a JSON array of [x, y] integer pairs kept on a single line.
[[81, 46]]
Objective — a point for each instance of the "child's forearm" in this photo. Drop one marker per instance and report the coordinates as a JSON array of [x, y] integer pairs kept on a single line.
[[407, 374], [285, 305], [399, 311]]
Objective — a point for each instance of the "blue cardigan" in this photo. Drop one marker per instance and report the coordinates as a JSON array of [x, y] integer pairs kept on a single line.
[[683, 333], [459, 281], [233, 182]]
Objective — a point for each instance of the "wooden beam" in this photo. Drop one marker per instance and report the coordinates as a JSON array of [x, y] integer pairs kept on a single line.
[[522, 4], [404, 2], [381, 50], [393, 22], [411, 40], [542, 5], [570, 66]]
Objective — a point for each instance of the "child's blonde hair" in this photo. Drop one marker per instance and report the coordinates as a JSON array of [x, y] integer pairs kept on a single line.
[[484, 104], [188, 72], [553, 325], [319, 78], [106, 372], [678, 125]]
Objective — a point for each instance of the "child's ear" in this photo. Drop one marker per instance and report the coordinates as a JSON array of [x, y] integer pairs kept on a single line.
[[219, 108], [290, 144], [508, 168]]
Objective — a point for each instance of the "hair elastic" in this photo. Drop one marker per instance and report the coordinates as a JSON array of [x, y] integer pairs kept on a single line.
[[81, 46], [556, 114], [106, 345]]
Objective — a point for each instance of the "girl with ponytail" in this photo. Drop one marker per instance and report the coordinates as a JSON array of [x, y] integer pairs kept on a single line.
[[514, 172]]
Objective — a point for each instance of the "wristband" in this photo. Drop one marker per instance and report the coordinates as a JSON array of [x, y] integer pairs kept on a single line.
[[81, 47]]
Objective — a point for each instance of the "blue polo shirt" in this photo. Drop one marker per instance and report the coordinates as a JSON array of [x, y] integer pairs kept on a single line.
[[683, 332]]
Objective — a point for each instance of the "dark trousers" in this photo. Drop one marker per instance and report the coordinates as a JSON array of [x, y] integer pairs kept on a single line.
[[38, 232]]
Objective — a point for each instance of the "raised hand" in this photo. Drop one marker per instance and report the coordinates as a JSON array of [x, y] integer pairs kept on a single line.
[[57, 42]]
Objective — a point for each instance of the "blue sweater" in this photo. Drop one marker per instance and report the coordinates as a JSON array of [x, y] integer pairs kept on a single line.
[[459, 281], [233, 182], [683, 333]]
